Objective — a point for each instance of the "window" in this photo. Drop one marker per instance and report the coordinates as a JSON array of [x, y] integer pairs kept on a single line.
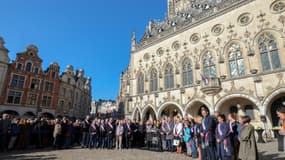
[[32, 99], [36, 70], [153, 80], [19, 66], [187, 73], [140, 86], [46, 101], [236, 62], [49, 87], [28, 67], [52, 74], [18, 81], [209, 65], [14, 97], [169, 78], [268, 52], [35, 84]]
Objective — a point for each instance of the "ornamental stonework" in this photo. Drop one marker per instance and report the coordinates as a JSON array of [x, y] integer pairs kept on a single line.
[[277, 6], [159, 52], [195, 38], [217, 29], [176, 45], [245, 19]]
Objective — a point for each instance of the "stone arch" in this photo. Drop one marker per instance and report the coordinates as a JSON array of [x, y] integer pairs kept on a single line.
[[193, 106], [29, 114], [237, 95], [269, 102], [269, 98], [167, 104], [152, 111], [241, 104], [47, 115], [11, 112], [136, 111]]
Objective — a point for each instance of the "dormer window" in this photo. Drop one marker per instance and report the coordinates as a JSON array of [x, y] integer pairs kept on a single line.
[[53, 74], [19, 66], [28, 67], [36, 70], [31, 54]]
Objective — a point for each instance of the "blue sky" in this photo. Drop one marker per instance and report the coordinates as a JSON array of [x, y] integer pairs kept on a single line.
[[90, 34]]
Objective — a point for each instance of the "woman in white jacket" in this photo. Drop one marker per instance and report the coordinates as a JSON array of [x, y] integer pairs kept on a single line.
[[178, 133], [119, 134]]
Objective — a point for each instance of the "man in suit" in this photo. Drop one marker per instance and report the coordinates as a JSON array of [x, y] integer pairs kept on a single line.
[[208, 135], [110, 132], [85, 131], [127, 133]]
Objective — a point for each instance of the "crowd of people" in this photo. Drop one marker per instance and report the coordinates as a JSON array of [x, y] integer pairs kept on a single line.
[[204, 137]]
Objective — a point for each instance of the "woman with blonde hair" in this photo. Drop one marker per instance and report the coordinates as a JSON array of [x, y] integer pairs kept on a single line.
[[177, 133]]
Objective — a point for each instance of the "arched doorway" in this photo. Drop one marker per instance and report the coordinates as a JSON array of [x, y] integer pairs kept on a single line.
[[47, 115], [11, 112], [278, 101], [136, 115], [170, 109], [239, 105], [29, 114], [149, 114], [194, 108]]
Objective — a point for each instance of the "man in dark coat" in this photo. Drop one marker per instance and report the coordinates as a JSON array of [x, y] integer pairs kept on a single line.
[[85, 132], [208, 135]]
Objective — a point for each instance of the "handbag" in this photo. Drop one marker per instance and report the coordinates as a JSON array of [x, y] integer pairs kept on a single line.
[[176, 142]]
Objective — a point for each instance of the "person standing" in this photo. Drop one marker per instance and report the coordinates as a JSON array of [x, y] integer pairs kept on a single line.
[[57, 134], [187, 137], [15, 131], [110, 131], [92, 134], [224, 148], [208, 135], [127, 133], [281, 114], [5, 128], [233, 134], [85, 132], [248, 148], [177, 133], [119, 134], [169, 135], [102, 134]]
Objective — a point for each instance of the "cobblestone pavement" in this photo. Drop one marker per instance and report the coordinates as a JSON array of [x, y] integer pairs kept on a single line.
[[267, 151]]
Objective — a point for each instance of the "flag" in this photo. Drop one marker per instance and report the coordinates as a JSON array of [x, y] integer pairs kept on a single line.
[[205, 79]]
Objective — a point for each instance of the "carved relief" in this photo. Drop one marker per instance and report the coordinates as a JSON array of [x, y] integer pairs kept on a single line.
[[217, 29], [277, 6], [244, 19], [146, 57], [195, 38], [159, 52], [175, 45]]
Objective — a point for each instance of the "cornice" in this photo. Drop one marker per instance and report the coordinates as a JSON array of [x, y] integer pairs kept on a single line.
[[180, 29]]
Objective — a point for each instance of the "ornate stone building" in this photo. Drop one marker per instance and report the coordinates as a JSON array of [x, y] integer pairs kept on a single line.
[[26, 89], [226, 55], [4, 61], [75, 93]]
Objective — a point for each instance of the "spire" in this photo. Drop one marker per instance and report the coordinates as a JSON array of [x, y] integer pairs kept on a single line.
[[171, 8], [133, 41]]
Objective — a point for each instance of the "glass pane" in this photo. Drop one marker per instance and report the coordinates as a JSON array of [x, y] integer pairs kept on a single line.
[[241, 67], [213, 73], [233, 69], [207, 71], [265, 62], [275, 60]]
